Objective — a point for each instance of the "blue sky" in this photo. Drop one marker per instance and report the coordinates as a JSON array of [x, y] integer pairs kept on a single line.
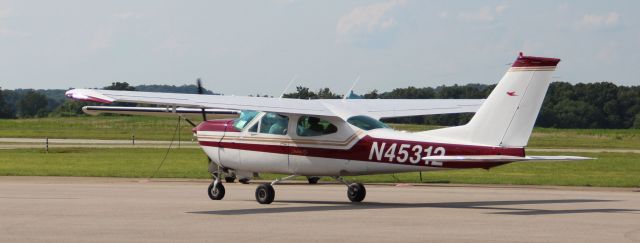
[[249, 47]]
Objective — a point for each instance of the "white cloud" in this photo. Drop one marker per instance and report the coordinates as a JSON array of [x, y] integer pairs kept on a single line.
[[501, 8], [387, 24], [101, 39], [599, 21], [6, 31], [484, 14], [6, 12], [563, 7], [368, 18], [283, 2], [126, 15], [175, 45]]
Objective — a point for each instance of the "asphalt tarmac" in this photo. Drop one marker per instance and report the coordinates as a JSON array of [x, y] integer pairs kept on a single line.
[[57, 209]]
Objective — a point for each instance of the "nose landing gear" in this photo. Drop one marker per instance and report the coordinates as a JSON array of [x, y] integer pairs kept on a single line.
[[216, 190]]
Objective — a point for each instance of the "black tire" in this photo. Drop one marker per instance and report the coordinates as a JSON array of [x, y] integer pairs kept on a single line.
[[217, 193], [356, 192], [230, 179], [313, 179], [265, 193], [244, 180]]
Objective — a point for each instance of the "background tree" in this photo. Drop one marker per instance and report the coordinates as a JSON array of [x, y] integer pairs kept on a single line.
[[120, 86], [69, 108], [32, 104], [5, 111], [566, 105], [301, 93]]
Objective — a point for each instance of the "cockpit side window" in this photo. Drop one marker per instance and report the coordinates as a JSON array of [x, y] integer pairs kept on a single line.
[[244, 119], [309, 126], [366, 123], [272, 123]]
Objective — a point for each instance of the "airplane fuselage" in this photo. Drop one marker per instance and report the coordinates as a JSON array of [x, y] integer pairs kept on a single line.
[[351, 151]]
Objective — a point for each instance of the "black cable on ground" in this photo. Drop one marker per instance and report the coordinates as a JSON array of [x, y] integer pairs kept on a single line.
[[168, 149]]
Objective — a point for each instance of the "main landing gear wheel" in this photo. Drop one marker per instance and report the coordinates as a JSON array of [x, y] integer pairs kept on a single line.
[[217, 192], [265, 193], [244, 180], [313, 179], [230, 179], [356, 192]]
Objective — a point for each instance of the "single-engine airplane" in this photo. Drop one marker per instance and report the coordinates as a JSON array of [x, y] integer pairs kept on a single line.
[[336, 138]]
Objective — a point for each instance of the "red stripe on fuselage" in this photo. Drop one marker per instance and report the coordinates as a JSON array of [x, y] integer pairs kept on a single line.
[[362, 151]]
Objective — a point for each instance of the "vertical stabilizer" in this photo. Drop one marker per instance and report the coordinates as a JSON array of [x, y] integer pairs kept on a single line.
[[507, 116]]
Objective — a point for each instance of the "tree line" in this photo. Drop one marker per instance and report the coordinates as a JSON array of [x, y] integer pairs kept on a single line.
[[582, 105], [31, 103]]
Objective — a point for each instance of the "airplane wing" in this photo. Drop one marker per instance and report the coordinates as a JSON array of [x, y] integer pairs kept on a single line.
[[500, 158], [158, 111], [388, 108], [381, 108]]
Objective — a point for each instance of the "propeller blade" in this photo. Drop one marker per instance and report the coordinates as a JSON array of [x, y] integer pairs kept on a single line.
[[201, 91]]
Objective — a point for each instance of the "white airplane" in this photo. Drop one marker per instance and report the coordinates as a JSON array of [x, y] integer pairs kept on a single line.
[[335, 138]]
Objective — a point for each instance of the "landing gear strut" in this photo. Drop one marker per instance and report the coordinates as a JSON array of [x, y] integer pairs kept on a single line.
[[265, 192], [216, 190], [355, 191]]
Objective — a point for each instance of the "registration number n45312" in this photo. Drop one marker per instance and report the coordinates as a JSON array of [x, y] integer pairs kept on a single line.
[[403, 153]]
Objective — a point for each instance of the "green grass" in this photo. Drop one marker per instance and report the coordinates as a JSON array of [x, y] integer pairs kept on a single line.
[[609, 170], [585, 138], [567, 138], [157, 128], [95, 127]]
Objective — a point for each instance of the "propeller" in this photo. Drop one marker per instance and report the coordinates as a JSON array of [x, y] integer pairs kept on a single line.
[[201, 91]]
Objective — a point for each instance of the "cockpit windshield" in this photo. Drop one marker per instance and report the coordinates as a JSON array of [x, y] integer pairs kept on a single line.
[[244, 119], [366, 123]]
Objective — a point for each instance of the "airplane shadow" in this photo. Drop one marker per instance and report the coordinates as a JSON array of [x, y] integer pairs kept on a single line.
[[500, 206]]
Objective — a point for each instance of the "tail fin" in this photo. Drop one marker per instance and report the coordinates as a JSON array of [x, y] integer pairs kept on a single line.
[[507, 116]]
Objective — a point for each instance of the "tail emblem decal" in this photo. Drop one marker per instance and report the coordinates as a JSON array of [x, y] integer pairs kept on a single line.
[[511, 93]]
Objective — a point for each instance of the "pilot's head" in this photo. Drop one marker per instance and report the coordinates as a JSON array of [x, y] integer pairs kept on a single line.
[[314, 120]]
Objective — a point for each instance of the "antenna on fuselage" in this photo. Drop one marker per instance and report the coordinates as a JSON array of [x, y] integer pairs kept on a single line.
[[288, 85], [346, 96]]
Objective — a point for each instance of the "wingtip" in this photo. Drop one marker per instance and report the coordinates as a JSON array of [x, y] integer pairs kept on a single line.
[[88, 95]]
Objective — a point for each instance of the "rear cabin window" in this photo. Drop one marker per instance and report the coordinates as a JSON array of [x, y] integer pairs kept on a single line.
[[309, 126], [366, 123], [244, 119]]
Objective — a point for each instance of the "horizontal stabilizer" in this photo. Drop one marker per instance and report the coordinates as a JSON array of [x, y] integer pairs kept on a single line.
[[500, 158]]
